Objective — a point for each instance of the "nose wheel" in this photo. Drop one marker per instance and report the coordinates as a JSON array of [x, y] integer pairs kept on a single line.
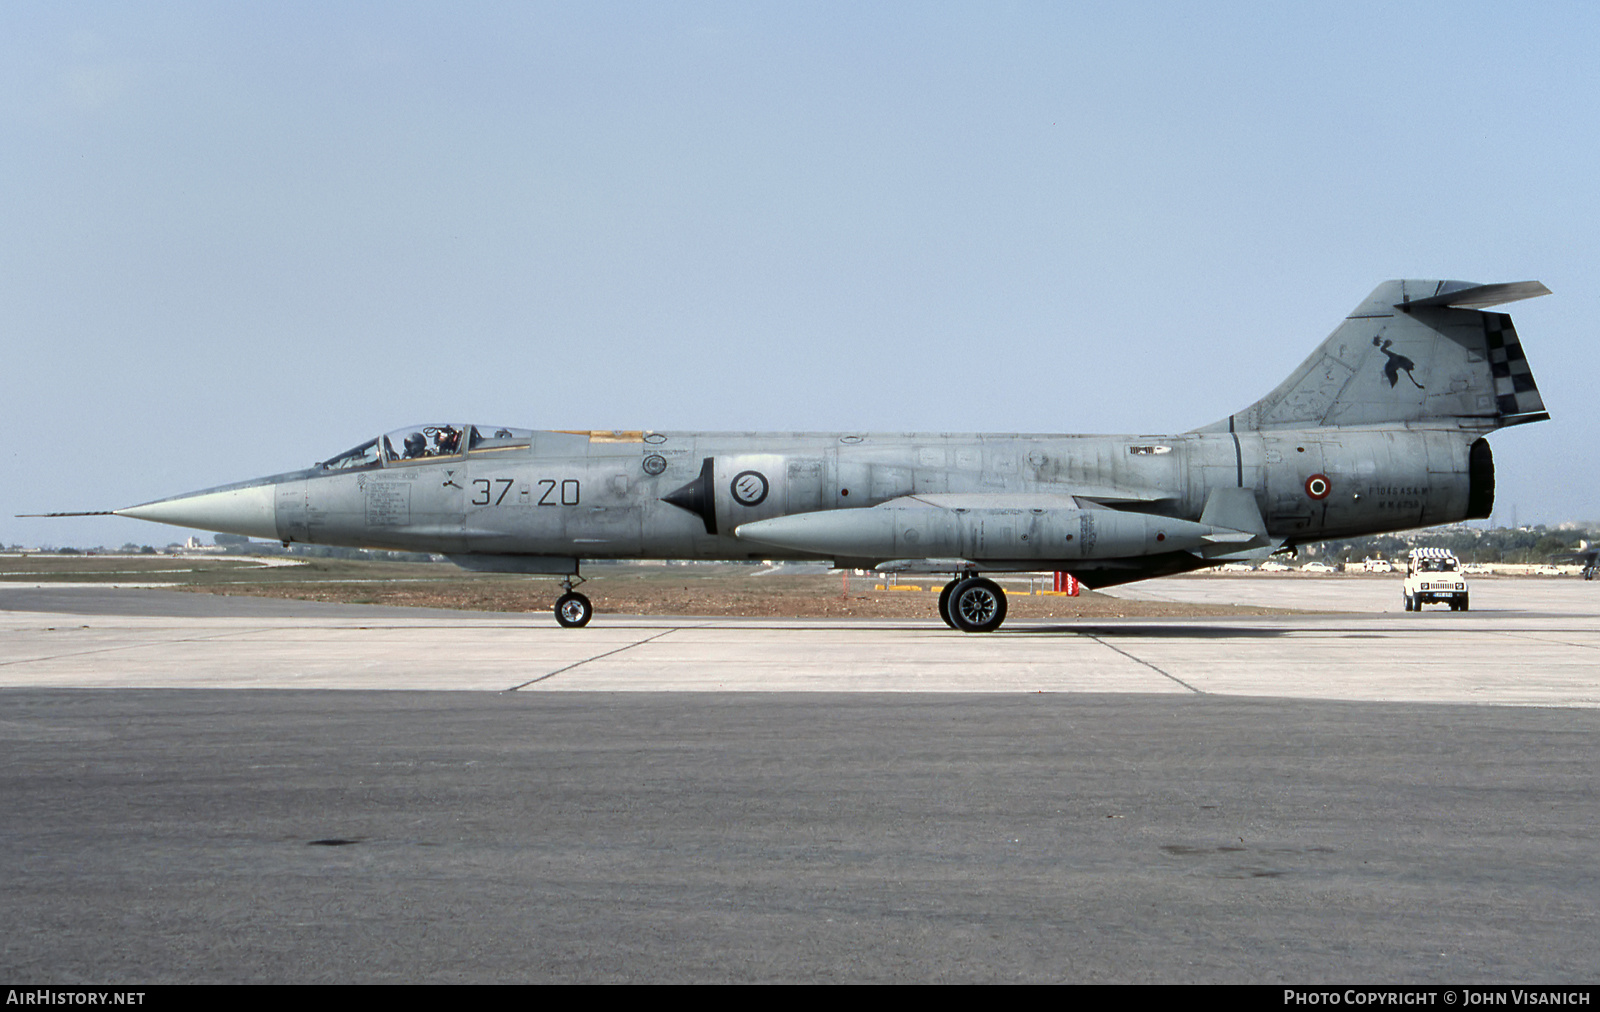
[[972, 604], [573, 610]]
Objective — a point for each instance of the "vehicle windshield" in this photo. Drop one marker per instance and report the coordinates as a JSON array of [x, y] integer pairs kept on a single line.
[[422, 442], [1437, 566], [365, 455]]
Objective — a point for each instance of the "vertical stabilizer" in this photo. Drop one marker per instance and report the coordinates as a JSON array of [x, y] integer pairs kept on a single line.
[[1413, 351]]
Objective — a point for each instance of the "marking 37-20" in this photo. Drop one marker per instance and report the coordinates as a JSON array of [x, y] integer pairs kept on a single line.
[[550, 492]]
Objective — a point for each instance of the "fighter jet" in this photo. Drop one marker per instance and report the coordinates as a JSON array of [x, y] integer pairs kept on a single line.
[[1381, 429], [1587, 554]]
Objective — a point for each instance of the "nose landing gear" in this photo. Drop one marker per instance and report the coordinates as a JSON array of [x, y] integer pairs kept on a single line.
[[573, 610]]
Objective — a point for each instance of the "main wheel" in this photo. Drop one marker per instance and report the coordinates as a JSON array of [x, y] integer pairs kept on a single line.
[[977, 605], [1409, 605], [573, 610], [944, 602]]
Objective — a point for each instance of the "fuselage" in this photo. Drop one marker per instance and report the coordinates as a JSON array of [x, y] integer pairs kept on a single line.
[[601, 495]]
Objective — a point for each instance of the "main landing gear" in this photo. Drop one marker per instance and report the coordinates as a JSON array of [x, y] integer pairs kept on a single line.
[[972, 604], [573, 610]]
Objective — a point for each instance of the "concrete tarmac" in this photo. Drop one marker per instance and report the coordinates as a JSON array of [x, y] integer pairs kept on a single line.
[[1526, 642], [1361, 797]]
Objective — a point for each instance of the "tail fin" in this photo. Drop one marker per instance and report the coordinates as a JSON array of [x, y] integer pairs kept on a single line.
[[1413, 351]]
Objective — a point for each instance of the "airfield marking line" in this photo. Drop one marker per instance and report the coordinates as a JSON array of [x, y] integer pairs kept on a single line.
[[596, 657], [1515, 634], [129, 646], [1141, 660]]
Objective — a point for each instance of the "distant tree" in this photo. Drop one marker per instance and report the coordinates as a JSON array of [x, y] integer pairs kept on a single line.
[[1548, 546], [1470, 544]]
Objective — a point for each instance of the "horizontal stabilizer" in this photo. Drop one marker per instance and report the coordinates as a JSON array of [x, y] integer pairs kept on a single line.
[[1480, 296]]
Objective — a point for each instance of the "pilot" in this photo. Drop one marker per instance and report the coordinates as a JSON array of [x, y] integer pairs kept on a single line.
[[416, 445], [449, 440]]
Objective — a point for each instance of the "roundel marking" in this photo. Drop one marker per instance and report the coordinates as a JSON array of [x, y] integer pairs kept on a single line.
[[1318, 486], [655, 464], [749, 488]]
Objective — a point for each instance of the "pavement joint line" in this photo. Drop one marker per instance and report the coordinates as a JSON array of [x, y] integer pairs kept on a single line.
[[129, 646], [1152, 667], [596, 657], [1517, 634]]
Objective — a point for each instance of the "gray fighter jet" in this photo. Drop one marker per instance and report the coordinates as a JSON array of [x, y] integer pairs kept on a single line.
[[1588, 555], [1381, 429]]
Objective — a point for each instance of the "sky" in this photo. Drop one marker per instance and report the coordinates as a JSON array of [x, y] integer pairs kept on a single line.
[[237, 238]]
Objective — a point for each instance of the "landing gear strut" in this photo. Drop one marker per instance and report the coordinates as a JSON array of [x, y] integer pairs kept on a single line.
[[972, 604], [573, 610]]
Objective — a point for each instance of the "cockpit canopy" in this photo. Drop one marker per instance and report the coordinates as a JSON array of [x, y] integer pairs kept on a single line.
[[429, 442]]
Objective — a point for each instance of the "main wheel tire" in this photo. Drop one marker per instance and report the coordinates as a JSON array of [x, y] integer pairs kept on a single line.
[[1464, 604], [944, 602], [977, 605], [1410, 605], [573, 610]]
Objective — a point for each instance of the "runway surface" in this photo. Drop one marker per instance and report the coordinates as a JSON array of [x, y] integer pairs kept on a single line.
[[1371, 796], [1526, 642]]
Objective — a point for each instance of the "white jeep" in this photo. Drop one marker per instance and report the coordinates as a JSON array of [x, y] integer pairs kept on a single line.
[[1434, 575]]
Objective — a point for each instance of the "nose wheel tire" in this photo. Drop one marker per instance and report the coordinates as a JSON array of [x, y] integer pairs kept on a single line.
[[573, 610], [944, 602], [977, 605]]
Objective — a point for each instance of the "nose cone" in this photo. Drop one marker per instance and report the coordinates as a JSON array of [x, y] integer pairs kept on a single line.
[[249, 511]]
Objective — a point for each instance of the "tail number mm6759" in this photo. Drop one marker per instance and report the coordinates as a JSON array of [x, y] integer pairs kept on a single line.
[[551, 492]]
